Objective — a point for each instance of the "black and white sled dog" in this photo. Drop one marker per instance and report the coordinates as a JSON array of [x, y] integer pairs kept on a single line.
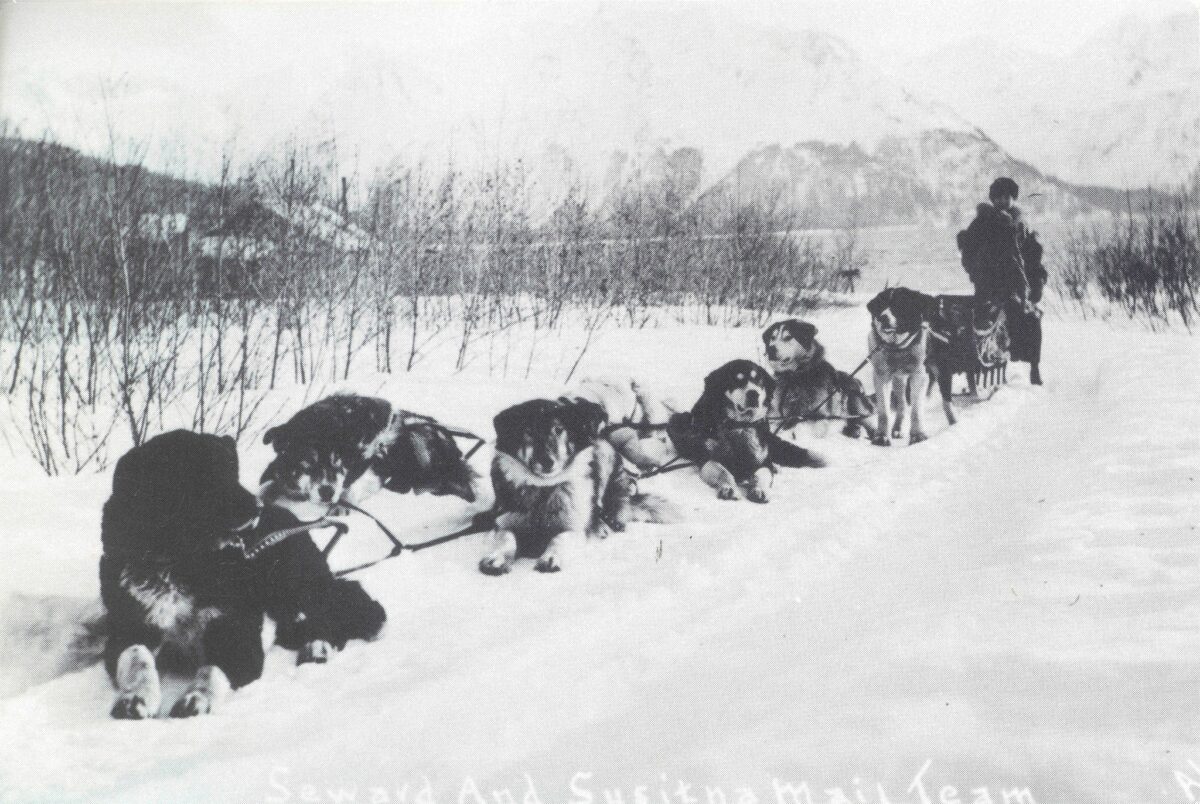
[[637, 418], [906, 359], [728, 433], [346, 447], [807, 385], [557, 480], [179, 589]]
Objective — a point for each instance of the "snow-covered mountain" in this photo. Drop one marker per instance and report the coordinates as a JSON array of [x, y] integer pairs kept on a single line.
[[934, 176], [1123, 109], [594, 96], [588, 81]]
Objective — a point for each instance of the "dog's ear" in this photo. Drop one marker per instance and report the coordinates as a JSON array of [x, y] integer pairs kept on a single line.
[[506, 422], [882, 300], [584, 420], [709, 409], [717, 380], [912, 306], [274, 436], [804, 332]]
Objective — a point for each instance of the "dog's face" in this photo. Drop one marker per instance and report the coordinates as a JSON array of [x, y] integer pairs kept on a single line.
[[744, 388], [789, 344], [427, 460], [899, 312], [546, 435], [306, 472], [180, 490]]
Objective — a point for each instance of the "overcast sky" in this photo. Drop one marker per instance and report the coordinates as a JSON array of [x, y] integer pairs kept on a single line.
[[230, 38], [194, 60]]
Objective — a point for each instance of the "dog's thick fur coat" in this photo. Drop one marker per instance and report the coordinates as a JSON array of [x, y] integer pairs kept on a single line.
[[905, 359], [626, 401], [344, 448], [807, 385], [556, 480], [728, 435], [177, 587]]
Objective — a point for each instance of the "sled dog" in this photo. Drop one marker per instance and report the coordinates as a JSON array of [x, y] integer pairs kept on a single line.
[[905, 358], [807, 386], [346, 447], [178, 588], [557, 480], [728, 435], [644, 441]]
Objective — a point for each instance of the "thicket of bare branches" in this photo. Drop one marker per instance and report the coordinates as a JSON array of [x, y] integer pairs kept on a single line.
[[131, 301], [1145, 263]]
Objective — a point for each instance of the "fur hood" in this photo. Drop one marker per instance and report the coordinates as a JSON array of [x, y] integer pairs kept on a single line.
[[1009, 217]]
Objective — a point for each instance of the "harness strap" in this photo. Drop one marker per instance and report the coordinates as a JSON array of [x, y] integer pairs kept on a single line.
[[407, 416], [273, 538]]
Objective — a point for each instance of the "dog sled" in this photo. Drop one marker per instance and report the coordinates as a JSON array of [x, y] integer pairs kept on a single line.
[[976, 341]]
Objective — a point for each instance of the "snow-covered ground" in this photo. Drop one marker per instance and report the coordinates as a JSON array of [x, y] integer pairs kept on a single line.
[[1014, 604]]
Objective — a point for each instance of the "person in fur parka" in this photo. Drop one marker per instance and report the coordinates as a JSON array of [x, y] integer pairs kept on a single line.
[[1003, 258]]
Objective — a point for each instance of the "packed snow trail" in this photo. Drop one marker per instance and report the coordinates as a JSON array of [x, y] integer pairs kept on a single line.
[[1012, 604]]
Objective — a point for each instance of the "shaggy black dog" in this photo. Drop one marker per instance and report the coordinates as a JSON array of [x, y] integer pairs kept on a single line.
[[346, 447], [178, 588], [728, 433]]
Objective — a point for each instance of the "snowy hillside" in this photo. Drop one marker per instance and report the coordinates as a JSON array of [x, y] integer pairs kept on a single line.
[[930, 177], [1009, 605], [1122, 109]]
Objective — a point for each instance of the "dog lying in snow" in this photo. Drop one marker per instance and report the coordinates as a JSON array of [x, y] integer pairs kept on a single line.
[[905, 359], [555, 480], [807, 386], [644, 442], [177, 585], [728, 435], [346, 447]]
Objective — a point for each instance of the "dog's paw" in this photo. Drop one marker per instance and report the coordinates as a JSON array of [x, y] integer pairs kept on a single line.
[[728, 493], [917, 437], [896, 432], [550, 562], [881, 440], [193, 703], [757, 494], [132, 706], [852, 430], [317, 651], [495, 565]]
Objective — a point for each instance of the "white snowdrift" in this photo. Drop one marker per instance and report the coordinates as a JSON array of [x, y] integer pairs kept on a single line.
[[1009, 605]]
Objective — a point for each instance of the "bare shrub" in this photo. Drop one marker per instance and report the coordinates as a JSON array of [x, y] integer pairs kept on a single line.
[[1146, 263], [131, 301]]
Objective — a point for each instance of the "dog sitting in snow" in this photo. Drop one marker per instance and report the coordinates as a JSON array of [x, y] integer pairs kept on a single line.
[[637, 419], [556, 479], [728, 434], [346, 447], [807, 386], [178, 587], [905, 359]]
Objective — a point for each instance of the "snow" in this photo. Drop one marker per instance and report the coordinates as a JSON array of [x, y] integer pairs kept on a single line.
[[1009, 605]]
